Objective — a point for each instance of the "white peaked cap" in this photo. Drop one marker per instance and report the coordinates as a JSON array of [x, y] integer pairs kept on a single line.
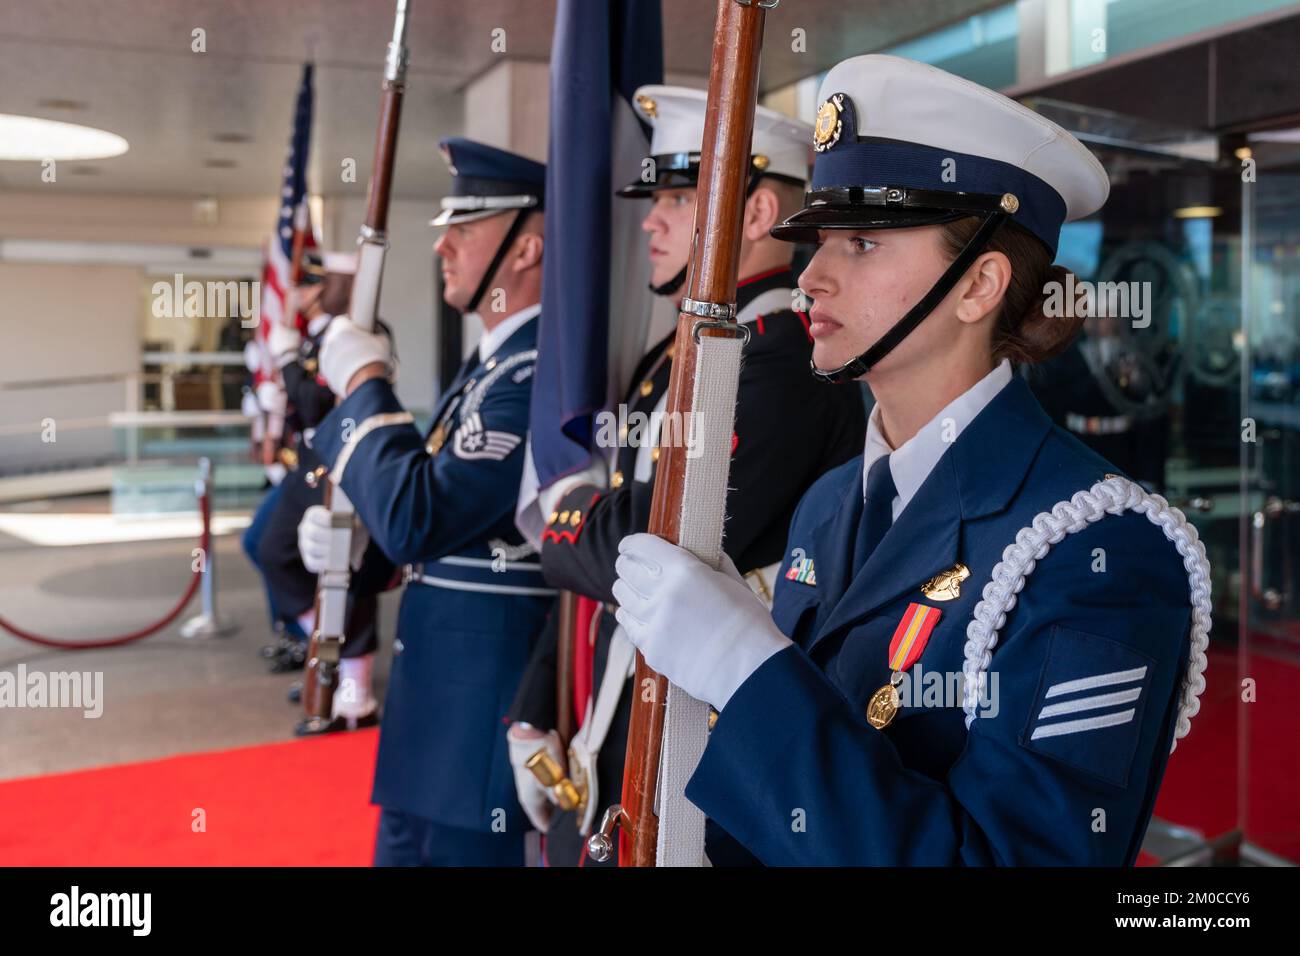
[[676, 114]]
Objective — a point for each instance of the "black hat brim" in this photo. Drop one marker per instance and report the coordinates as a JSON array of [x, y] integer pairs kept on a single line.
[[805, 224]]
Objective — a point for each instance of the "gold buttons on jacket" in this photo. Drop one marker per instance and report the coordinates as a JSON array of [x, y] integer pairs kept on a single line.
[[647, 387], [654, 453], [616, 480]]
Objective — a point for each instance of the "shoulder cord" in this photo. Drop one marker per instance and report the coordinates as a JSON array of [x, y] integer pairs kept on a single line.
[[1111, 496]]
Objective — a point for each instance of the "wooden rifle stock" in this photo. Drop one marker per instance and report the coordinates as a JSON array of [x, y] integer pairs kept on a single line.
[[321, 675], [714, 263]]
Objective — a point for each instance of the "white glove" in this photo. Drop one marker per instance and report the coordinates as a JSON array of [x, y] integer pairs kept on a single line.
[[252, 356], [704, 630], [346, 349], [316, 537], [538, 802], [248, 405], [284, 342], [272, 398]]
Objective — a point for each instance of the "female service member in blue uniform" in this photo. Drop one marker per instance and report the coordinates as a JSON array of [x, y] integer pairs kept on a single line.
[[983, 644]]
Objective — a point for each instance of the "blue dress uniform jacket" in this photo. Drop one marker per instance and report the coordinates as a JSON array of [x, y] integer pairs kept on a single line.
[[795, 772], [473, 601]]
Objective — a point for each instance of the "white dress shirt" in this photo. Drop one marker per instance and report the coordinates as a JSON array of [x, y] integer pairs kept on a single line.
[[495, 337], [911, 462]]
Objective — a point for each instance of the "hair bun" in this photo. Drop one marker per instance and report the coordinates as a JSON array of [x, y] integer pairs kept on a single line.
[[1042, 336]]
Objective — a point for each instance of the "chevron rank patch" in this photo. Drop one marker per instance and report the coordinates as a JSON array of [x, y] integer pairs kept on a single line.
[[475, 443], [1089, 705]]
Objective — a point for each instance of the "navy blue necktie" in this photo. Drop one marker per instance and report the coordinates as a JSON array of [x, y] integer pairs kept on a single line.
[[877, 512]]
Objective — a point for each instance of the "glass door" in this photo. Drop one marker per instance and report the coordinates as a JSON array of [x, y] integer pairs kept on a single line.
[[1268, 659], [1196, 397]]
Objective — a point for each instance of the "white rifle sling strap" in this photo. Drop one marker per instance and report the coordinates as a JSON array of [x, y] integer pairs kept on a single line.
[[333, 581], [704, 499], [1113, 496], [620, 664]]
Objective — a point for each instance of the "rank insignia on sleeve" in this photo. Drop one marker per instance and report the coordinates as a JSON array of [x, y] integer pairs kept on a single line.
[[473, 442], [801, 569]]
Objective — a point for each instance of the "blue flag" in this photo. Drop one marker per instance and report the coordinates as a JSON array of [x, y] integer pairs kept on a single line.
[[595, 270]]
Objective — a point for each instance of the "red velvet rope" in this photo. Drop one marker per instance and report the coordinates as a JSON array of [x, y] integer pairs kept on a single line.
[[205, 542]]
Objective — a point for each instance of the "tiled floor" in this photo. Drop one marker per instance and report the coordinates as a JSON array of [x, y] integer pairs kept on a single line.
[[163, 695]]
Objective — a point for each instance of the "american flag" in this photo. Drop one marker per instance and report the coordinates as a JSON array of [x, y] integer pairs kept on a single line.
[[294, 215]]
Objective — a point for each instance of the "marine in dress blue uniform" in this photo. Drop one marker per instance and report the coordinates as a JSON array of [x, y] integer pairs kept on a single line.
[[788, 431], [1078, 629], [442, 504]]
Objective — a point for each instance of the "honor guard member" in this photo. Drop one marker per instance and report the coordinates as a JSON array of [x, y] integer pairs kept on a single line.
[[263, 398], [442, 504], [984, 643], [788, 431], [290, 574]]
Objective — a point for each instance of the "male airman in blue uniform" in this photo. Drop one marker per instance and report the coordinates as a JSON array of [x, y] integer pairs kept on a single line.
[[1063, 610], [442, 504]]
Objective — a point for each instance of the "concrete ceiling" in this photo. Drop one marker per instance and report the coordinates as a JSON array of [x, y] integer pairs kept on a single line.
[[217, 123]]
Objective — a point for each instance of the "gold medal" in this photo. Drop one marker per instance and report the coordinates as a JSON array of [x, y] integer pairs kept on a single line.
[[884, 703]]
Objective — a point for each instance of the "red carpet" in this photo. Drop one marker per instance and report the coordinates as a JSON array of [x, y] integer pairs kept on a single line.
[[299, 803], [1200, 785]]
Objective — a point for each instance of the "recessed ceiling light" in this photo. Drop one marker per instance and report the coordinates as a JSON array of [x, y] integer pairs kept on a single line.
[[1198, 212], [218, 163], [30, 138]]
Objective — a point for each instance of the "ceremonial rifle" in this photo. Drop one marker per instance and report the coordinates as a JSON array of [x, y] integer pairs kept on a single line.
[[686, 510], [321, 676]]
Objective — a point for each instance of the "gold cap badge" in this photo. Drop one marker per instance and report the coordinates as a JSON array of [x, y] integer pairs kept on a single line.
[[648, 106], [826, 133]]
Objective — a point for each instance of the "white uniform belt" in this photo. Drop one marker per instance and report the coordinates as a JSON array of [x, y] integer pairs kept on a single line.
[[481, 575]]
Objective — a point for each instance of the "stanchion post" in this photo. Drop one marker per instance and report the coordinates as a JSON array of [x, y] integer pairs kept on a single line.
[[207, 623]]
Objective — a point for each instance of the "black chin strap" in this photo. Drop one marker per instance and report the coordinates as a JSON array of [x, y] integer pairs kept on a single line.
[[497, 259], [856, 368], [672, 285]]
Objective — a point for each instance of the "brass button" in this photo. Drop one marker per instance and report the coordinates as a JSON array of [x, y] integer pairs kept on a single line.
[[646, 388], [576, 518], [713, 717], [654, 453], [617, 479], [555, 516], [564, 517]]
